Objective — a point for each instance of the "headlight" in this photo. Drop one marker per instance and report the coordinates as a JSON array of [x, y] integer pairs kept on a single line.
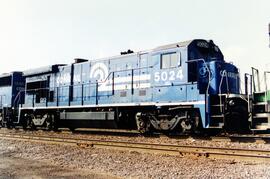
[[231, 103]]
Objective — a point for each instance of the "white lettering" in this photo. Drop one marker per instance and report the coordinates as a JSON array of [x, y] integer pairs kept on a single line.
[[171, 75]]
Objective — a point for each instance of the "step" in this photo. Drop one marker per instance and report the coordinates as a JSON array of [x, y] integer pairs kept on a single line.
[[222, 94], [216, 125], [260, 127], [217, 116], [260, 120], [262, 123], [260, 104], [217, 105], [261, 115], [259, 92], [259, 110], [259, 130]]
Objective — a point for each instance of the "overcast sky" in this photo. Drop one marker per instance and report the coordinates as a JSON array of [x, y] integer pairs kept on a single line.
[[37, 33]]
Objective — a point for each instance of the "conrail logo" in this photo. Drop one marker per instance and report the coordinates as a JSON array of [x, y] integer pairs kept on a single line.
[[99, 71], [204, 72], [230, 74]]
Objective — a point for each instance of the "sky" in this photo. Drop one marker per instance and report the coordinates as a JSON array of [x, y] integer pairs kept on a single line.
[[36, 33]]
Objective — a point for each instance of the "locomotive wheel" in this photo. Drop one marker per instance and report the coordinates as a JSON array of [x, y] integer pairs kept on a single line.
[[32, 125], [8, 125], [53, 126], [191, 123], [26, 123], [2, 124], [48, 125], [1, 121], [143, 125], [30, 122], [186, 125]]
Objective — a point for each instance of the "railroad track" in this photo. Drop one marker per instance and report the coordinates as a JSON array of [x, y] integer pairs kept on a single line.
[[258, 138], [175, 150], [244, 138]]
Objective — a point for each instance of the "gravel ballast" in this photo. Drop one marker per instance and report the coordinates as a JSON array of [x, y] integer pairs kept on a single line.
[[155, 139], [128, 164]]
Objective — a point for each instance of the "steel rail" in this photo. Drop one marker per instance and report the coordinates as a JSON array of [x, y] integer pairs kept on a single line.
[[235, 154], [244, 138]]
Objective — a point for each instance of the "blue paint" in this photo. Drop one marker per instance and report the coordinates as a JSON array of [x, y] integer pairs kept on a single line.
[[139, 78], [10, 89]]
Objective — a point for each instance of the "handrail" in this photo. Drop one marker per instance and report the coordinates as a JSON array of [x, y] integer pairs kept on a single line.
[[1, 104], [265, 79], [266, 89], [246, 89], [95, 84], [92, 83], [18, 95], [18, 102], [254, 70], [219, 88], [247, 92], [224, 73]]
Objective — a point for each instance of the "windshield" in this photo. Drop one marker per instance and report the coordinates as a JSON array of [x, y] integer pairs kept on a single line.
[[202, 49], [206, 50]]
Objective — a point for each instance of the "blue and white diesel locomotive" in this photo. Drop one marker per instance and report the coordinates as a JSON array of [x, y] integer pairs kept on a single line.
[[184, 86]]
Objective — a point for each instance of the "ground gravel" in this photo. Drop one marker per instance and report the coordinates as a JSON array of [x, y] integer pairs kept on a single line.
[[129, 164]]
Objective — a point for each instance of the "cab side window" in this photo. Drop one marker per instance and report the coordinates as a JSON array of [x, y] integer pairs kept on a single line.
[[170, 60]]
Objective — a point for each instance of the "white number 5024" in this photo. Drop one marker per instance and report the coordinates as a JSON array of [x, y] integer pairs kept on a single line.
[[171, 75]]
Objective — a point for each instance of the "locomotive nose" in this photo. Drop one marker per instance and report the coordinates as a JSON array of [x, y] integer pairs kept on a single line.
[[218, 77], [226, 78]]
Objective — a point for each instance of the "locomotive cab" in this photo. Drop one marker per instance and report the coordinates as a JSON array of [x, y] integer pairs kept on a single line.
[[220, 82]]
